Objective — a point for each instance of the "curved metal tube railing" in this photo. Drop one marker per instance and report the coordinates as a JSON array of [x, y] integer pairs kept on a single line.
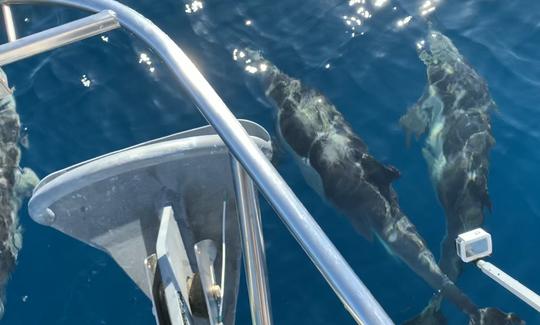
[[349, 288]]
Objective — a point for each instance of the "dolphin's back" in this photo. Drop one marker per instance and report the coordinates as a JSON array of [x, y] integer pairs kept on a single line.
[[352, 180], [304, 114], [464, 138]]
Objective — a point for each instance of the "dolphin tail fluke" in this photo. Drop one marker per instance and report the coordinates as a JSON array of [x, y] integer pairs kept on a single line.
[[494, 316], [431, 315]]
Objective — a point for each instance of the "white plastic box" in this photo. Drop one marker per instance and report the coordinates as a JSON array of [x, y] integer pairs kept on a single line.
[[474, 244]]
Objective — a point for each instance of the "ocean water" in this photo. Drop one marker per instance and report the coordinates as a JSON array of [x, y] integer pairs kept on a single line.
[[110, 92]]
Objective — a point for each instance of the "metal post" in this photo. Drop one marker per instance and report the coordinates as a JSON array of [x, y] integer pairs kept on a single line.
[[8, 21], [253, 245], [57, 36], [356, 298]]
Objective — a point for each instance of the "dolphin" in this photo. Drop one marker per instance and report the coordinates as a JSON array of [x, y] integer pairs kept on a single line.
[[341, 168], [16, 184], [454, 111]]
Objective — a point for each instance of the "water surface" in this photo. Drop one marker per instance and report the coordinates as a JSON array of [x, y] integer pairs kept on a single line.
[[110, 92]]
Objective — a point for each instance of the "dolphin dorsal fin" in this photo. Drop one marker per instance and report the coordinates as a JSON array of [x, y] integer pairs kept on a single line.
[[377, 173], [479, 188]]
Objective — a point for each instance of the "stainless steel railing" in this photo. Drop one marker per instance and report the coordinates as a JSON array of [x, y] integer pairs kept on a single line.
[[348, 287], [79, 29], [253, 245], [9, 24]]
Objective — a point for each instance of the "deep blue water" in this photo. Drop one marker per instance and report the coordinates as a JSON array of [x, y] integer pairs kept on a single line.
[[372, 78]]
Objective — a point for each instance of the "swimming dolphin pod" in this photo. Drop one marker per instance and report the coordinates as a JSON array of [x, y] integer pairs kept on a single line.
[[454, 112], [340, 166], [15, 185]]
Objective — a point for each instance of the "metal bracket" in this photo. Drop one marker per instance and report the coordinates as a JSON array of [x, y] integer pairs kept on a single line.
[[206, 253]]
